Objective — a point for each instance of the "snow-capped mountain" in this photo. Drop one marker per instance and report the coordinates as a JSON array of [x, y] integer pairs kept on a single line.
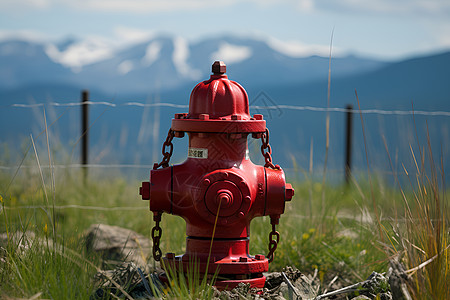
[[166, 69], [74, 53], [161, 63], [25, 63]]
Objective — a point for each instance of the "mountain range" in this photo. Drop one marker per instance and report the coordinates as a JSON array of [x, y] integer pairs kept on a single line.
[[162, 63], [165, 69]]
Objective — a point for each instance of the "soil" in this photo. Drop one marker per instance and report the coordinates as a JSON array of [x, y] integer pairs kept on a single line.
[[288, 284], [131, 276]]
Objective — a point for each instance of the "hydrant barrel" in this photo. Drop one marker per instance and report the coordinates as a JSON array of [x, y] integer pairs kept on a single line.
[[218, 190]]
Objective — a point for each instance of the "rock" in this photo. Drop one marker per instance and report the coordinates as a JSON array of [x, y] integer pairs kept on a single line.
[[118, 244], [385, 296], [131, 279], [376, 284], [361, 297], [302, 285], [398, 280], [374, 287], [21, 240], [283, 290], [299, 286], [348, 233], [273, 280]]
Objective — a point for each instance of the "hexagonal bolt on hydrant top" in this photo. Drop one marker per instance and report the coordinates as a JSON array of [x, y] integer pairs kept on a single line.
[[218, 190]]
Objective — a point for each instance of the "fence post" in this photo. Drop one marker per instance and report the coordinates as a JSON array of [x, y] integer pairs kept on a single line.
[[348, 142], [84, 132]]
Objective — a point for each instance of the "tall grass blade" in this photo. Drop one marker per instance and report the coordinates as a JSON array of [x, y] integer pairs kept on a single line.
[[368, 170], [52, 174], [43, 182], [327, 126]]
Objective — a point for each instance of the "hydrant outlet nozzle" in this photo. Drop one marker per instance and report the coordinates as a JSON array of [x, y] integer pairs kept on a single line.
[[144, 190], [289, 192]]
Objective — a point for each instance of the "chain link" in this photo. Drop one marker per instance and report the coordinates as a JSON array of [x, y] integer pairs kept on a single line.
[[266, 151], [167, 150], [274, 239], [156, 237], [274, 235]]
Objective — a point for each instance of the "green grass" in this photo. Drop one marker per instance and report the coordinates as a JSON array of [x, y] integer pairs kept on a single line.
[[45, 269], [352, 234]]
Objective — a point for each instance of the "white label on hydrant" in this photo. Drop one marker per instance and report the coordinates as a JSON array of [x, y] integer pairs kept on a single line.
[[198, 153]]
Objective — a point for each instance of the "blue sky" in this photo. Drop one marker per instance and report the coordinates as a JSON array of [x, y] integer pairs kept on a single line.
[[379, 28]]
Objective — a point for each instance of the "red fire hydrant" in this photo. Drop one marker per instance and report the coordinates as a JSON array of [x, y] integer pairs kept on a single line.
[[218, 190]]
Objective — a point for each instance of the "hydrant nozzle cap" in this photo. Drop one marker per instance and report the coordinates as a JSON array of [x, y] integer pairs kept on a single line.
[[219, 67]]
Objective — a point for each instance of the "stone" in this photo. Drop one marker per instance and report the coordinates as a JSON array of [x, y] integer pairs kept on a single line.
[[398, 280], [22, 240], [116, 244], [361, 297], [302, 285]]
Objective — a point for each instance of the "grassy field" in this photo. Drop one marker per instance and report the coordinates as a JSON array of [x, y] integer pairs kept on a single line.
[[333, 230]]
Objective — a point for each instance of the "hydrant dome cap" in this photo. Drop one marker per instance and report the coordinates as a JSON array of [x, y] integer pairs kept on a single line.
[[218, 105], [219, 97]]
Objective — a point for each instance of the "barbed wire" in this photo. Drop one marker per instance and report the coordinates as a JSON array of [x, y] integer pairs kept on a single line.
[[362, 218], [75, 206], [269, 107], [105, 103], [135, 166], [146, 166]]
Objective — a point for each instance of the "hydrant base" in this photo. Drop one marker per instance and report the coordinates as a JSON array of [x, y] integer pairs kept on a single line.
[[257, 282], [231, 284]]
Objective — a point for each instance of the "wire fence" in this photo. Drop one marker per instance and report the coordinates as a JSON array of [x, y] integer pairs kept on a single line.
[[69, 166], [268, 107], [75, 206], [174, 105], [149, 167], [363, 218]]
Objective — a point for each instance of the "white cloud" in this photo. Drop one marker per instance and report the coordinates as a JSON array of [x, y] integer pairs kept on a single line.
[[146, 6], [231, 53], [17, 4], [420, 8], [133, 6], [305, 5], [399, 7], [298, 49], [128, 35], [25, 35], [442, 35]]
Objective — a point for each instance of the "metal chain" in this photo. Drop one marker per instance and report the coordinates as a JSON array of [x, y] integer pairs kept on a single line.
[[267, 154], [274, 239], [167, 150], [156, 236]]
